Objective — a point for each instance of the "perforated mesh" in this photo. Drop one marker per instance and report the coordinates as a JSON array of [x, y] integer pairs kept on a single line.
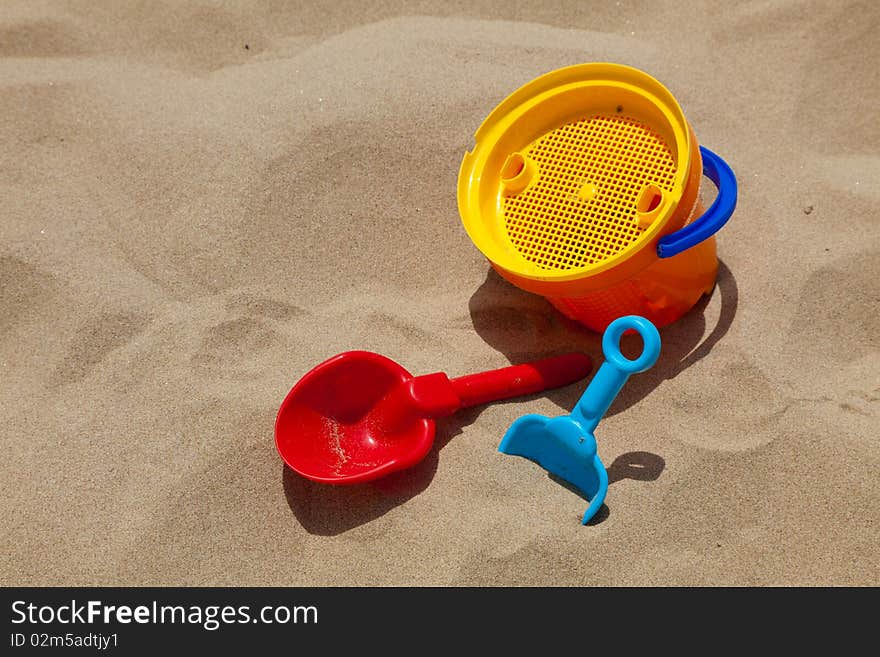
[[551, 226], [602, 307]]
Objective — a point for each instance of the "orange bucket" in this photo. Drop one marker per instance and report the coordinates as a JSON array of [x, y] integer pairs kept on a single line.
[[584, 187]]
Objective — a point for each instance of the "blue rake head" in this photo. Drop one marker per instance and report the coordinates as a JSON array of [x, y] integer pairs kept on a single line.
[[565, 446]]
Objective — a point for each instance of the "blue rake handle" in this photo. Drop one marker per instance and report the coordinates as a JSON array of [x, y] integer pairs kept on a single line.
[[616, 369]]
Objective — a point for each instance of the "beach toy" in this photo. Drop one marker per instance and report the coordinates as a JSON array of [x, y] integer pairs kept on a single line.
[[583, 186], [359, 416], [565, 445]]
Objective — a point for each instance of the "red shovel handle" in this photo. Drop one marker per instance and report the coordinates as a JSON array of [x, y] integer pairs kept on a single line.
[[525, 379]]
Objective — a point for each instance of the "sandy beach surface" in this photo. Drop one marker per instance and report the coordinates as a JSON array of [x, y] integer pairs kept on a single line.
[[203, 200]]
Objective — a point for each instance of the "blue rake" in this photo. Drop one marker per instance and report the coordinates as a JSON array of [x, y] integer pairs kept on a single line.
[[565, 446]]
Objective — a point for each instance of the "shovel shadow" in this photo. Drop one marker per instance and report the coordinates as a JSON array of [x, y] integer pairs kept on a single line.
[[524, 326], [327, 510]]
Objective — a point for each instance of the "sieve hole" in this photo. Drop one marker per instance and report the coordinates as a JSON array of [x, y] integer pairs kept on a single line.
[[513, 166], [649, 199]]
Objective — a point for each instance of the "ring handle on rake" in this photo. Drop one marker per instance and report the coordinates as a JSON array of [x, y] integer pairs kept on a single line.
[[714, 218], [617, 368]]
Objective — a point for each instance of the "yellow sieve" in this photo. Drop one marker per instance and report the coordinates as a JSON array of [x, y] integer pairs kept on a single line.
[[575, 172]]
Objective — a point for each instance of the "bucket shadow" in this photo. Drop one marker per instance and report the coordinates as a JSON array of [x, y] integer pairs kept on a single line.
[[638, 466], [524, 326], [327, 510]]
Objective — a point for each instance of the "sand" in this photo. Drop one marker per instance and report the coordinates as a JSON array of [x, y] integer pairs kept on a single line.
[[201, 201]]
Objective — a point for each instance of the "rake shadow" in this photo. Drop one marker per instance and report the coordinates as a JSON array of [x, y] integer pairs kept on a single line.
[[638, 466]]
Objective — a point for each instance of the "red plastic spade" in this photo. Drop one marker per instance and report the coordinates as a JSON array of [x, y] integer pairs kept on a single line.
[[359, 416]]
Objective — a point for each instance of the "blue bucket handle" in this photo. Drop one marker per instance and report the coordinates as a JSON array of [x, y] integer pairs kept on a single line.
[[714, 218]]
